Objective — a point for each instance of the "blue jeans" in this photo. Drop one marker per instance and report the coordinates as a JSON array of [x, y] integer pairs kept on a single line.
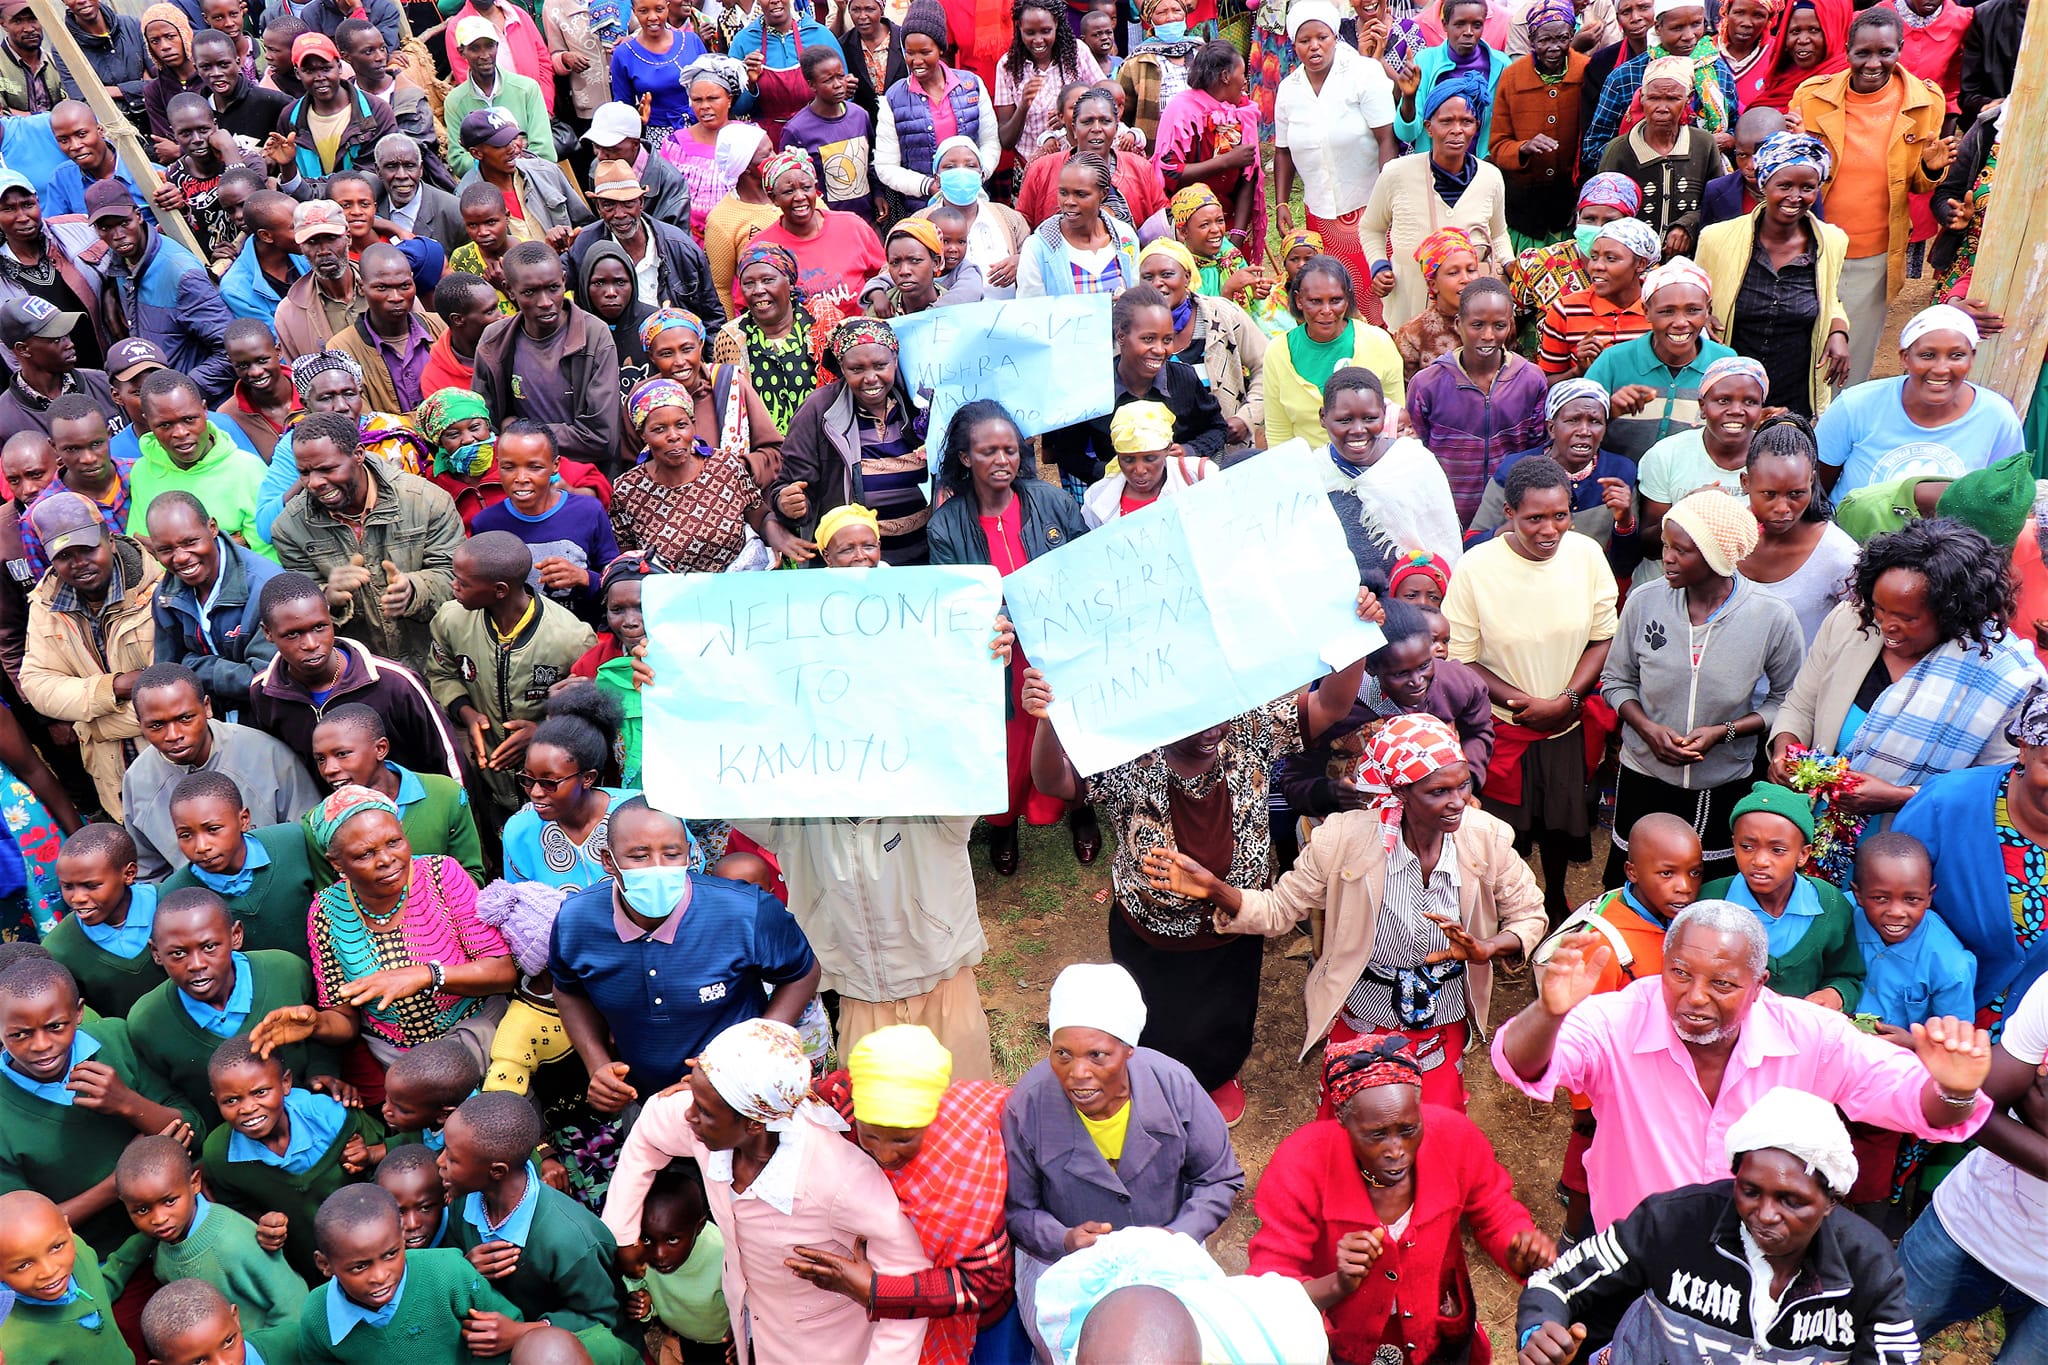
[[1946, 1285]]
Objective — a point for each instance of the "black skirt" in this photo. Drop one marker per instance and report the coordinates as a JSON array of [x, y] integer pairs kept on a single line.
[[1201, 1004], [1704, 808]]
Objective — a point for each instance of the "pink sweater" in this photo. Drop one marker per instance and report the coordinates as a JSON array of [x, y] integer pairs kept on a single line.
[[840, 1195]]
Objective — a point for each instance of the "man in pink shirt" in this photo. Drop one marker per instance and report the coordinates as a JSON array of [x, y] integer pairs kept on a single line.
[[1671, 1063]]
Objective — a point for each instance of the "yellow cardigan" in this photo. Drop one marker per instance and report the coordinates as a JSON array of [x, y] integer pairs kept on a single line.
[[1823, 103], [1724, 252], [1291, 406]]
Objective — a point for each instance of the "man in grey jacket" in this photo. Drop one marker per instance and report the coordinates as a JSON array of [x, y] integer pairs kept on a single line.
[[551, 203]]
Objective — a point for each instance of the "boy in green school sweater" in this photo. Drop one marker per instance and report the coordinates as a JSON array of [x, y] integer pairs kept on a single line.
[[498, 649], [422, 1088], [62, 1313], [180, 1232], [262, 874], [280, 1149], [72, 1098], [1812, 926], [189, 1322], [413, 1175], [216, 991], [385, 1305], [352, 748], [538, 1247], [104, 941]]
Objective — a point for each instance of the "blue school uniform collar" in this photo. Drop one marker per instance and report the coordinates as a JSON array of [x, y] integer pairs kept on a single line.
[[226, 1021], [254, 856], [1628, 898], [201, 1206], [1785, 930], [126, 940], [72, 1294], [411, 790], [315, 1122], [83, 1046], [250, 1355], [518, 1224], [344, 1314]]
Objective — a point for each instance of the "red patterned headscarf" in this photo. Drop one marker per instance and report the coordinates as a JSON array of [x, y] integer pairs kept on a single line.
[[1364, 1062], [1403, 751]]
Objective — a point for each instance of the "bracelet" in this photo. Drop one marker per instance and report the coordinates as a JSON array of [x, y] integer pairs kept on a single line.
[[1627, 530], [440, 975], [1574, 698], [1968, 1101], [1731, 733]]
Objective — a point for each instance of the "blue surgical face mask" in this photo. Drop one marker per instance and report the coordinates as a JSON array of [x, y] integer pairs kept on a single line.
[[654, 891], [960, 185], [1585, 234], [1171, 32]]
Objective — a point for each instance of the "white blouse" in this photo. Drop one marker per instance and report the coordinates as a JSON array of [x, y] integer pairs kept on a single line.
[[1329, 134]]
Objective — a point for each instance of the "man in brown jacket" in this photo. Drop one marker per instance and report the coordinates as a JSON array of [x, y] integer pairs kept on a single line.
[[392, 337]]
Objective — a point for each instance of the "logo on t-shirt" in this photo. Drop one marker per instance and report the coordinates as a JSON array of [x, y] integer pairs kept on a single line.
[[1922, 459], [714, 991]]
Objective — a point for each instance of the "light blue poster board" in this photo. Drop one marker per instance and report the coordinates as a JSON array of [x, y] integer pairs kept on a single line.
[[1043, 359], [1232, 592], [824, 692]]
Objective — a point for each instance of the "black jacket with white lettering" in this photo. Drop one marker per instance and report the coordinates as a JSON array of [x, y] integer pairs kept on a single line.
[[1847, 1303]]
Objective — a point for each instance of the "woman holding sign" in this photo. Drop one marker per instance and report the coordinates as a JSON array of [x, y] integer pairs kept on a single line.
[[1002, 513], [1204, 796]]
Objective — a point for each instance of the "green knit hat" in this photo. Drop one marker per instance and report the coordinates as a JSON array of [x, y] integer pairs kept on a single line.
[[1772, 799], [1996, 500]]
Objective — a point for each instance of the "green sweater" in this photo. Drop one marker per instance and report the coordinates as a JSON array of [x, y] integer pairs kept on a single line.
[[441, 821], [222, 1250], [169, 1040], [109, 984], [1826, 956], [35, 1334], [440, 1289], [63, 1150], [273, 911], [565, 1268], [257, 1189]]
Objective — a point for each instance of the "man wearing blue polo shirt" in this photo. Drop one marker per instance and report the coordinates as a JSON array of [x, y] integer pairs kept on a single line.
[[655, 962]]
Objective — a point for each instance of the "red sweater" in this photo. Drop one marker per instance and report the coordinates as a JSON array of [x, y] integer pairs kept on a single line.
[[1312, 1194], [445, 370]]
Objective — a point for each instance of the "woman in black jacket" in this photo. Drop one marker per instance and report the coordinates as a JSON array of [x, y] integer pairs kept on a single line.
[[867, 30], [1711, 1272], [997, 511]]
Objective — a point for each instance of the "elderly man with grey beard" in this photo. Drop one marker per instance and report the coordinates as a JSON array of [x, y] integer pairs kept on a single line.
[[1670, 1062]]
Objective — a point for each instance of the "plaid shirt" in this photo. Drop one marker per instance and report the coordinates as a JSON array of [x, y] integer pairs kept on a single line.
[[114, 513], [1941, 714], [952, 1191]]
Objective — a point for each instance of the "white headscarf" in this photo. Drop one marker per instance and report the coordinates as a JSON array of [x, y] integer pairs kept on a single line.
[[1942, 317], [737, 146], [1097, 995], [1803, 1125], [1302, 11], [759, 1068]]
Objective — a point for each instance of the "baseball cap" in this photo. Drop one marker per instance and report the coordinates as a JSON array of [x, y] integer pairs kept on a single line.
[[28, 317], [489, 127], [126, 359], [612, 124], [108, 199], [471, 27], [64, 520], [615, 180], [318, 44], [8, 11], [15, 180], [318, 218]]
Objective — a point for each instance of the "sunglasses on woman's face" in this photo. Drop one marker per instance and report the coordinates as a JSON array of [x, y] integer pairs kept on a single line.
[[527, 782]]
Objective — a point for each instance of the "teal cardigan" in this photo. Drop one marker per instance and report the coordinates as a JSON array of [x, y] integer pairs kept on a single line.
[[1435, 63]]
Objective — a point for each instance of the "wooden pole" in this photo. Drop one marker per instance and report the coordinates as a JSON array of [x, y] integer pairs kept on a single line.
[[2011, 272], [119, 131]]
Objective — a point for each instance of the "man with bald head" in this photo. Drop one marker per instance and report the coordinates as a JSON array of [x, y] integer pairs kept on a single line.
[[88, 159], [1140, 1324], [1670, 1062], [392, 337]]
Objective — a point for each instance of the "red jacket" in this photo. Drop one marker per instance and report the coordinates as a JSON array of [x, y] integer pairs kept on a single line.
[[445, 370], [1312, 1194]]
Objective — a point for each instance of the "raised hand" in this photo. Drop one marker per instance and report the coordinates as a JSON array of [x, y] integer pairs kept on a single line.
[[283, 1027], [1956, 1054], [1573, 972], [271, 1229], [397, 598], [1036, 695]]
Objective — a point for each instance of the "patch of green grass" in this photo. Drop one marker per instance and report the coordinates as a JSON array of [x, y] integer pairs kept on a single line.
[[1015, 1044]]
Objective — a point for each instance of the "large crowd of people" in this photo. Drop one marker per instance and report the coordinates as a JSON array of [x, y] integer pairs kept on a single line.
[[366, 359]]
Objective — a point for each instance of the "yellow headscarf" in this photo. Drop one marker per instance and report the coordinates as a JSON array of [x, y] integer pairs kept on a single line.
[[1175, 251], [1137, 427], [839, 518], [899, 1075]]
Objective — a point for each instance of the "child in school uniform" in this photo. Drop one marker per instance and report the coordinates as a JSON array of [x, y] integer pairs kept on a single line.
[[104, 941], [412, 1174], [216, 991], [181, 1233], [189, 1320], [568, 531], [261, 873], [539, 1248], [63, 1141], [1812, 925], [280, 1149], [384, 1305], [422, 1088], [676, 1289], [498, 649], [60, 1311]]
